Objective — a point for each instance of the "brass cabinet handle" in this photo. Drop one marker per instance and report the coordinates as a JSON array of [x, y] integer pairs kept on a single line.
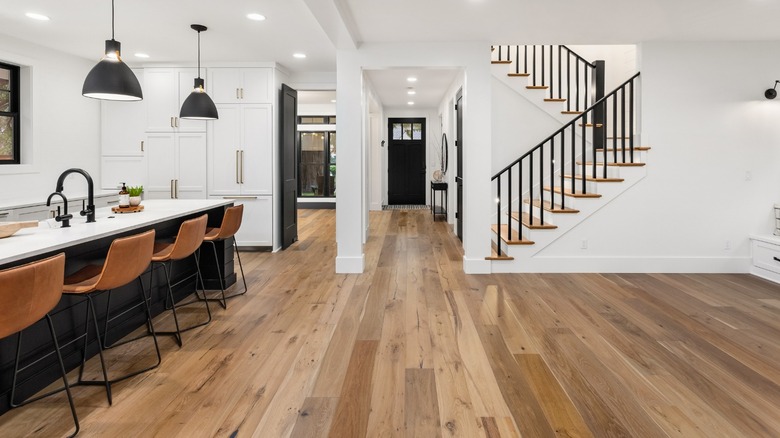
[[242, 93], [4, 214], [176, 188], [171, 189], [237, 97], [172, 123], [142, 145], [239, 197], [242, 166], [237, 164]]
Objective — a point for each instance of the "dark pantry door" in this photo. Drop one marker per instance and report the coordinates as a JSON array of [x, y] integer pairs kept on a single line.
[[289, 165], [406, 161], [459, 169]]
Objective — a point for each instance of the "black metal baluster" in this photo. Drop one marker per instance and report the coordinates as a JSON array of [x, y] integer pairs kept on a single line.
[[498, 217], [584, 154], [500, 48], [520, 196], [541, 184], [577, 79], [623, 119], [587, 98], [560, 72], [552, 83], [525, 62], [552, 174], [573, 158], [568, 80], [517, 59], [541, 49], [530, 188], [614, 129], [631, 118], [533, 66], [509, 196]]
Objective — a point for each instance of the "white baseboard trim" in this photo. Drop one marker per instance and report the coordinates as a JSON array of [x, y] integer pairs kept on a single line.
[[710, 265], [476, 266], [765, 274], [350, 265]]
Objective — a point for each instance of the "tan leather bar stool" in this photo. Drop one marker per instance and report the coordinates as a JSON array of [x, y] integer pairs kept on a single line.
[[127, 259], [28, 293], [231, 222], [187, 243]]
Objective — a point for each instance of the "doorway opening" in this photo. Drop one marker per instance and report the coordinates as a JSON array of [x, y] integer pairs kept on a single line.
[[316, 150], [406, 171]]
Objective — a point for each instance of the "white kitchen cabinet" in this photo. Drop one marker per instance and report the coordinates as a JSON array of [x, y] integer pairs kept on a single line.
[[176, 166], [7, 215], [240, 157], [241, 85], [257, 224], [123, 125], [165, 89], [116, 170]]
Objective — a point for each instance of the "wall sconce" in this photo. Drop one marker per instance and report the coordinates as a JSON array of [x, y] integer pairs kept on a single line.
[[772, 92]]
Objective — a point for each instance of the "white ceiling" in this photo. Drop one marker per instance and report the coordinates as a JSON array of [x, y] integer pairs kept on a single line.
[[392, 86], [161, 28]]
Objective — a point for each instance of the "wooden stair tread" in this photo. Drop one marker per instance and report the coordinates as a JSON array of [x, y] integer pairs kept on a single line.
[[596, 179], [556, 208], [494, 253], [538, 225], [500, 62], [590, 125], [554, 99], [571, 112], [574, 194], [636, 148], [518, 75], [590, 163], [537, 87], [515, 234]]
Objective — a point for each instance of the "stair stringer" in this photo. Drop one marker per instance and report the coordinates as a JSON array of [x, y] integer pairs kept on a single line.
[[526, 257], [536, 97]]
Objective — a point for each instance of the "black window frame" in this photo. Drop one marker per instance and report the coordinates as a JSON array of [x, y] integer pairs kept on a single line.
[[326, 120], [14, 113]]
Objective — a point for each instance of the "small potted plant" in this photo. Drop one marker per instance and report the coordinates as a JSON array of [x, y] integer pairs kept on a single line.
[[135, 195]]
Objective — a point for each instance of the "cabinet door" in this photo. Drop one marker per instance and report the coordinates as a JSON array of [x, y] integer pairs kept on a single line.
[[257, 224], [191, 166], [256, 144], [117, 170], [186, 78], [123, 125], [160, 159], [224, 84], [161, 95], [224, 157], [256, 85]]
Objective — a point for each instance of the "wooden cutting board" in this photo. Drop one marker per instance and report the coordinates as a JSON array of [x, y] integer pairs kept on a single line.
[[136, 209], [9, 228]]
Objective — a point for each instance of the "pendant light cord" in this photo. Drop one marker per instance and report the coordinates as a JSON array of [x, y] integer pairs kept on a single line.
[[198, 52], [112, 19]]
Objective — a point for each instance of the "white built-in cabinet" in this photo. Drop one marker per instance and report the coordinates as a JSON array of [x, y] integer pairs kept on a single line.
[[122, 138], [165, 89], [257, 225], [176, 165], [241, 85]]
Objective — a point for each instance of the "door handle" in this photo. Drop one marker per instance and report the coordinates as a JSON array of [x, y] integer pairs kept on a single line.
[[176, 188], [242, 166], [242, 93], [142, 145], [172, 189], [237, 94], [172, 123], [237, 164], [176, 121]]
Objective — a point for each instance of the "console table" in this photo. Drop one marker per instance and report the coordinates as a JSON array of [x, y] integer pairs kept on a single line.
[[441, 209]]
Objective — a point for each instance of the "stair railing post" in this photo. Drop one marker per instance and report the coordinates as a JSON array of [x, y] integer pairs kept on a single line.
[[600, 116], [498, 216], [509, 203], [530, 188]]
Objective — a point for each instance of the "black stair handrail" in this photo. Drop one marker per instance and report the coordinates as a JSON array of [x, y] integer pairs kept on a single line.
[[570, 78], [622, 127]]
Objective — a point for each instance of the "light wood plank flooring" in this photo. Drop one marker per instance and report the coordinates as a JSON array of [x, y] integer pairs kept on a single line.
[[415, 348]]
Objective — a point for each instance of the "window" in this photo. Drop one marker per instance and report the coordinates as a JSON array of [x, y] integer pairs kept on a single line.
[[9, 114], [407, 131], [317, 164], [317, 120]]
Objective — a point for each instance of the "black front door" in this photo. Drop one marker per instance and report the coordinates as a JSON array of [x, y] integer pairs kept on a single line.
[[406, 161], [459, 169], [288, 115]]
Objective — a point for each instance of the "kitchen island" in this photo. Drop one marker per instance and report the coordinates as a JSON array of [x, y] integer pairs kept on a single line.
[[85, 243]]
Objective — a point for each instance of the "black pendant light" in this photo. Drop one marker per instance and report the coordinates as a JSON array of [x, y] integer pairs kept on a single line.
[[112, 79], [198, 104]]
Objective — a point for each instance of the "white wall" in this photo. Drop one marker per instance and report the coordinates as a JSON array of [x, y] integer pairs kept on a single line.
[[64, 128], [620, 61], [712, 175]]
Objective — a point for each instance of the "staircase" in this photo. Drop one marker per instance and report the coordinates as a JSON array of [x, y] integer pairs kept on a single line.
[[587, 163]]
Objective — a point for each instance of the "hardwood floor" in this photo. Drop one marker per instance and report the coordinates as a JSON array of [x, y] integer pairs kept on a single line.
[[415, 348]]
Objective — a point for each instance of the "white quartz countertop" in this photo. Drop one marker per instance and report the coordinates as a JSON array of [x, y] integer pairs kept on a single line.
[[49, 236], [28, 201]]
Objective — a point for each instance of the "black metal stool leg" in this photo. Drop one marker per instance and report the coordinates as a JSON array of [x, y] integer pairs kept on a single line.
[[219, 275], [177, 333], [64, 375], [240, 266]]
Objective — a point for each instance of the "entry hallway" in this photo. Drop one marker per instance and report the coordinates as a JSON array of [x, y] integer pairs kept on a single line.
[[415, 348]]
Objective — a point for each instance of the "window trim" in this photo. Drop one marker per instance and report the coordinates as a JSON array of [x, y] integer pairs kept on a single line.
[[15, 113]]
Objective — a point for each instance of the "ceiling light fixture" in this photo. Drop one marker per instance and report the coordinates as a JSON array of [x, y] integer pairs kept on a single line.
[[112, 79], [255, 16], [333, 101], [299, 55], [410, 102], [36, 16], [198, 104], [411, 79], [772, 92], [411, 92]]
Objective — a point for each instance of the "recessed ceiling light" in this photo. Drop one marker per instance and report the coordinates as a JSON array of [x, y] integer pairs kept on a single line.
[[255, 16], [411, 79], [333, 101], [411, 92], [141, 55], [410, 102], [299, 55], [39, 17]]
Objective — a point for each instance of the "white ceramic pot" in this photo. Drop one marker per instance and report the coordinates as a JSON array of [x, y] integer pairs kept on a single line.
[[135, 201]]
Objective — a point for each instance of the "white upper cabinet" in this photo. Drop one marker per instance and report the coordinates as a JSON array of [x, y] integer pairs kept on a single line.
[[165, 89], [176, 166], [123, 125], [241, 85], [240, 158]]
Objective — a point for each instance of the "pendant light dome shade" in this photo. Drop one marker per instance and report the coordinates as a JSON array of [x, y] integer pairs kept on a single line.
[[198, 105], [112, 79]]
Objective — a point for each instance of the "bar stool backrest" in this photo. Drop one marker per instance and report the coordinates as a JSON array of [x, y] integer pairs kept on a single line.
[[190, 237], [128, 257], [231, 222], [29, 292]]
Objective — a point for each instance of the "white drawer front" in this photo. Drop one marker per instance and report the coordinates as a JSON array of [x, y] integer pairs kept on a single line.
[[766, 256]]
